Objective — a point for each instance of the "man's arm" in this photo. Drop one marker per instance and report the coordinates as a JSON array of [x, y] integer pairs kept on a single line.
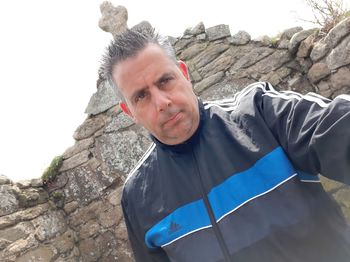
[[141, 252], [314, 131]]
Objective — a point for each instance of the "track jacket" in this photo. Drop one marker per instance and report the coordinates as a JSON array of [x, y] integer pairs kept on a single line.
[[244, 187]]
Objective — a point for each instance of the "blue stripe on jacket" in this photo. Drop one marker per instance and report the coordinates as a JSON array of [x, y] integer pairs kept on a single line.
[[266, 174]]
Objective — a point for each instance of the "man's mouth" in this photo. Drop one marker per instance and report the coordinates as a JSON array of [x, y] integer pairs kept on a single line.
[[173, 119]]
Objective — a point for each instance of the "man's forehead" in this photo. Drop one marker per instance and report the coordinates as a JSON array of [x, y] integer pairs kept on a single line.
[[149, 56]]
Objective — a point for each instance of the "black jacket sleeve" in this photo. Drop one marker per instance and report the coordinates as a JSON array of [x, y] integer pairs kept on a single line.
[[136, 238], [313, 131]]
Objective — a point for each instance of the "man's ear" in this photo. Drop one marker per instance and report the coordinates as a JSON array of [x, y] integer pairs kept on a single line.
[[184, 70], [126, 110]]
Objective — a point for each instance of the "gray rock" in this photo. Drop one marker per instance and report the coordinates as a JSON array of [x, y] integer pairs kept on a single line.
[[9, 202], [65, 242], [49, 224], [337, 33], [221, 63], [306, 46], [341, 91], [192, 51], [86, 184], [209, 55], [78, 147], [186, 36], [187, 32], [114, 19], [172, 40], [181, 44], [111, 217], [198, 29], [4, 243], [318, 71], [283, 44], [195, 76], [225, 89], [297, 38], [324, 89], [120, 122], [24, 215], [121, 151], [22, 184], [275, 77], [90, 229], [201, 37], [252, 57], [207, 82], [340, 55], [102, 100], [288, 34], [4, 180], [75, 161], [71, 207], [42, 253], [300, 64], [272, 62], [263, 40], [319, 51], [300, 83], [341, 78], [32, 197], [36, 182], [88, 128], [21, 230], [241, 38], [115, 196], [218, 32]]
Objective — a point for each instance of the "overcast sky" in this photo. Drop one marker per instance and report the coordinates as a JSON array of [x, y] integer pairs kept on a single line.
[[50, 53]]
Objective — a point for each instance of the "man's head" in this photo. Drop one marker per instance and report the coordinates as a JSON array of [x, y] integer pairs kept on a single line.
[[156, 89]]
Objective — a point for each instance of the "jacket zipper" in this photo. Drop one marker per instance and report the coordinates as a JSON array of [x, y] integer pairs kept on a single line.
[[216, 229]]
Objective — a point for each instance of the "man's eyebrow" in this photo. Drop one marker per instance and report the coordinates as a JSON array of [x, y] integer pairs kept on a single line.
[[136, 93], [162, 77]]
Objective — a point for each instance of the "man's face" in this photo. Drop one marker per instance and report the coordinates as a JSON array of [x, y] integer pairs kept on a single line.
[[158, 95]]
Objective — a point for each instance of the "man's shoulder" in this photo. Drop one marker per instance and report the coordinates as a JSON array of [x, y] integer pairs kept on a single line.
[[245, 95]]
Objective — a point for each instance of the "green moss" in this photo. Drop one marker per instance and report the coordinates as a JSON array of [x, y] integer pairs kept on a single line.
[[52, 171], [57, 195], [274, 41]]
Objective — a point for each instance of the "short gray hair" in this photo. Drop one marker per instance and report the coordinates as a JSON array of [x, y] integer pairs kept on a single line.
[[128, 44]]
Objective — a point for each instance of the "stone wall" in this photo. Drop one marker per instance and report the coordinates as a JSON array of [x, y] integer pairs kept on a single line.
[[78, 216]]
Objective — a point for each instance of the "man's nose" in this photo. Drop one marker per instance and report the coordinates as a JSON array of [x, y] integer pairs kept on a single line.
[[161, 99]]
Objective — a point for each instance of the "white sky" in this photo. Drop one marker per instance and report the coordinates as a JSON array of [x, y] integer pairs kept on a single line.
[[50, 53]]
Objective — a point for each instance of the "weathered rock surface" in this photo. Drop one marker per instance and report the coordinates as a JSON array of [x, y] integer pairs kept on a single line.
[[114, 19]]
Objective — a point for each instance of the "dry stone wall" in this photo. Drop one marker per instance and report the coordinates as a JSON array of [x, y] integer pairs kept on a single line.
[[78, 216]]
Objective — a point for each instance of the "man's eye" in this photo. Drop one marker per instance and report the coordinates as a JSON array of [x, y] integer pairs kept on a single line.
[[140, 96], [164, 81]]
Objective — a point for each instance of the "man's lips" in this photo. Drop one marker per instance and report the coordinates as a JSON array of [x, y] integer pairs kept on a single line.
[[172, 120]]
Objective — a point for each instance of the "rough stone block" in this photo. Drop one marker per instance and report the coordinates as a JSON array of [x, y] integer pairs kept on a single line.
[[105, 98], [50, 224], [42, 253], [241, 38], [318, 71], [340, 55], [121, 151], [78, 147], [88, 128], [9, 202], [218, 32]]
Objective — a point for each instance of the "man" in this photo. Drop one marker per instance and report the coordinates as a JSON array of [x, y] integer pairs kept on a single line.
[[234, 180]]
